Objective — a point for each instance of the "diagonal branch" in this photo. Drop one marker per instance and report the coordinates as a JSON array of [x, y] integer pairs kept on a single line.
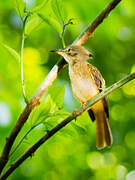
[[47, 83], [96, 22], [63, 123]]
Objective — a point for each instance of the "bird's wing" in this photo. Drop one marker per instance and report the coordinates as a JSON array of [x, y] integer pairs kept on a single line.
[[96, 75], [100, 82]]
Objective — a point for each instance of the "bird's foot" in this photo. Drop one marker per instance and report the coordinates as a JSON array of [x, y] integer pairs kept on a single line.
[[101, 89], [83, 105], [74, 113]]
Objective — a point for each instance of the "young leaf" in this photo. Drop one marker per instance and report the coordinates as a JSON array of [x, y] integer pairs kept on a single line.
[[52, 23], [13, 52], [32, 24], [58, 10], [78, 128], [67, 132], [20, 7], [41, 112], [57, 94], [39, 7], [57, 116]]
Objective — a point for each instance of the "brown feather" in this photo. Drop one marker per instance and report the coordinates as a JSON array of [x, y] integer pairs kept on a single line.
[[103, 132], [91, 114], [100, 112]]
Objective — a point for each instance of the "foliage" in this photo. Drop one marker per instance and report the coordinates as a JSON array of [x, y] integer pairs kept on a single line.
[[72, 151]]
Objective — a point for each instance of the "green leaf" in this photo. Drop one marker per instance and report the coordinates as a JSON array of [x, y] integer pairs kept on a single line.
[[32, 24], [12, 51], [57, 94], [39, 7], [41, 112], [52, 23], [20, 7], [67, 132], [78, 128], [62, 114], [59, 11], [54, 119], [58, 116], [48, 125]]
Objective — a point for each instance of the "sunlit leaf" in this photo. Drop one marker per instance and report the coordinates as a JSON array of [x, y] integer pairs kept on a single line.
[[61, 113], [59, 11], [52, 23], [20, 7], [58, 116], [39, 7], [12, 51], [57, 94], [41, 112], [78, 128], [32, 24], [67, 132]]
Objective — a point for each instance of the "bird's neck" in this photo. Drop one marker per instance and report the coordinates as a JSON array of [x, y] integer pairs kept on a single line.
[[77, 67], [76, 62]]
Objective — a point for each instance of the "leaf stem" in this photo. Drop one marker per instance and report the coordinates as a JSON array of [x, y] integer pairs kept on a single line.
[[22, 46], [63, 31], [63, 42], [26, 134], [24, 138]]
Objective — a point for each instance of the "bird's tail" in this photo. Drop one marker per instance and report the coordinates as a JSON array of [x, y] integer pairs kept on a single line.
[[103, 131]]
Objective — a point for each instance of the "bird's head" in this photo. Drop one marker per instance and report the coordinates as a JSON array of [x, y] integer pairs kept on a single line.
[[74, 52]]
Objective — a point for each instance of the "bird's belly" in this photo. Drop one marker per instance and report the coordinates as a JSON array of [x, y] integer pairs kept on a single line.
[[83, 88]]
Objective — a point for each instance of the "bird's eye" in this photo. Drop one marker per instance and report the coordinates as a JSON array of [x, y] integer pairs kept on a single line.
[[69, 50], [90, 55]]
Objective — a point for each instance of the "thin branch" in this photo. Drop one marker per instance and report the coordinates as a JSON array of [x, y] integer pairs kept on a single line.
[[27, 133], [63, 41], [22, 139], [63, 31], [46, 84], [62, 124], [22, 46]]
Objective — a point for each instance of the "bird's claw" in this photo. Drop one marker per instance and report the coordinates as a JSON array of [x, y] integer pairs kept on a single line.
[[74, 113]]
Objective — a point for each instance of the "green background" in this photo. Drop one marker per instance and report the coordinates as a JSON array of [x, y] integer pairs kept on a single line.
[[71, 153]]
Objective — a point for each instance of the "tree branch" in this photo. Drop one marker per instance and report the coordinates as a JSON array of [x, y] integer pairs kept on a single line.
[[47, 83], [62, 124], [96, 22]]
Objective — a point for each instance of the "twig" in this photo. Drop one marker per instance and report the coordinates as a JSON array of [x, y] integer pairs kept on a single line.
[[26, 134], [47, 83], [22, 46], [24, 137], [63, 31], [62, 124]]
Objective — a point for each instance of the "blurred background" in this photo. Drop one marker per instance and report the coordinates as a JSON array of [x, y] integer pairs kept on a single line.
[[71, 153]]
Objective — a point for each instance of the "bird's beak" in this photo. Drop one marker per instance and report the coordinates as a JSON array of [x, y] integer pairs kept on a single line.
[[58, 51]]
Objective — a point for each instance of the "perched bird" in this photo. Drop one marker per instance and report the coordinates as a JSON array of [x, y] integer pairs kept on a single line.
[[87, 82]]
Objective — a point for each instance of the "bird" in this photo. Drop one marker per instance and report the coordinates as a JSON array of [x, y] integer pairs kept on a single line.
[[86, 83]]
